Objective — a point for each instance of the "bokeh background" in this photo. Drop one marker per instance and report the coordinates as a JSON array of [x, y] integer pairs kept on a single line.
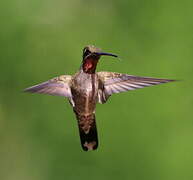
[[145, 134]]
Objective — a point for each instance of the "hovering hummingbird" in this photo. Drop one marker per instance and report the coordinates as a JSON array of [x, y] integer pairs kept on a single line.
[[88, 87]]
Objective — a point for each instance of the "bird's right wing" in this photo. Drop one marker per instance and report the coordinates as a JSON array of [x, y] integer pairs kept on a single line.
[[59, 86], [117, 82]]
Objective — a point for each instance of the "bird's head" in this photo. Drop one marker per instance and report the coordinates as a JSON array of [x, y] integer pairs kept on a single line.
[[91, 55]]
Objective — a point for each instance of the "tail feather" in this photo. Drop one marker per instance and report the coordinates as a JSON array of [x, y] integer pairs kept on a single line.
[[87, 131]]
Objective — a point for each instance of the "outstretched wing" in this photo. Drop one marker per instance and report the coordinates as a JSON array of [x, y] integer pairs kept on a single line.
[[59, 86], [116, 82]]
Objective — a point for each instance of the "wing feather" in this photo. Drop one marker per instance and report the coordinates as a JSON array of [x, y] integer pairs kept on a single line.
[[116, 82], [59, 86]]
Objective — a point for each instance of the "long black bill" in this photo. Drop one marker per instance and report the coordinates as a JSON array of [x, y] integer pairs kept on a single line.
[[106, 54]]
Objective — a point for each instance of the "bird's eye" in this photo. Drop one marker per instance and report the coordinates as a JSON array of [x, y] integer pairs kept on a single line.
[[86, 52]]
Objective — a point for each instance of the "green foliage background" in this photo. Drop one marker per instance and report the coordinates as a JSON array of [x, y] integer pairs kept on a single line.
[[144, 134]]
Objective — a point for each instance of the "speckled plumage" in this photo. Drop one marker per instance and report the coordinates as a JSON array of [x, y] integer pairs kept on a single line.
[[87, 88]]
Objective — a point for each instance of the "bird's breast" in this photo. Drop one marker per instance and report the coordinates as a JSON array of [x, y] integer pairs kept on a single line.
[[85, 92]]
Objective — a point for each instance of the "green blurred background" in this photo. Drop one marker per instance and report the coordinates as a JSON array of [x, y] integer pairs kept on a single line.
[[144, 134]]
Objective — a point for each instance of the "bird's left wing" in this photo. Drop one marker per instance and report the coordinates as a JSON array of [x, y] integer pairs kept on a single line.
[[116, 82], [59, 86]]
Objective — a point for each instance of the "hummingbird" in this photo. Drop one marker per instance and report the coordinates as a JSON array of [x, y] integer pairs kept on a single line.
[[87, 87]]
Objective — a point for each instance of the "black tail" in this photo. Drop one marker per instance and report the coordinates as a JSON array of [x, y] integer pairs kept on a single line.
[[87, 131]]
